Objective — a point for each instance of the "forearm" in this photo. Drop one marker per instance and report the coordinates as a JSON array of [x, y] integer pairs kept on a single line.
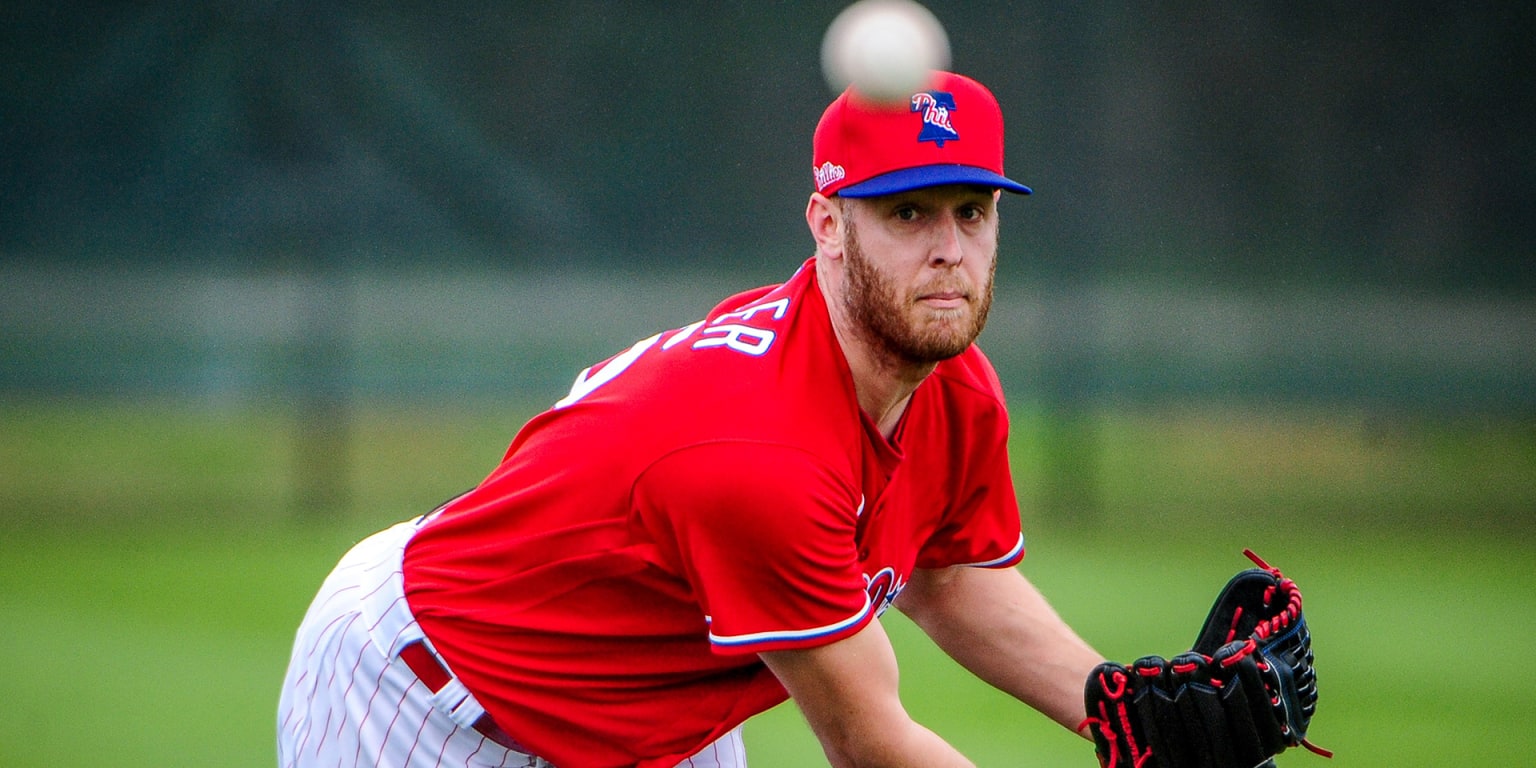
[[998, 625], [905, 744], [848, 694]]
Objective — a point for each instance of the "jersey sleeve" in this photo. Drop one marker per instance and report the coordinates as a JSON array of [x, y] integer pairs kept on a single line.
[[981, 527], [983, 530], [764, 536]]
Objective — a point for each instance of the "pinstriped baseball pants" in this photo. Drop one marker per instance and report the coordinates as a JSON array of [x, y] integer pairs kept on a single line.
[[349, 700]]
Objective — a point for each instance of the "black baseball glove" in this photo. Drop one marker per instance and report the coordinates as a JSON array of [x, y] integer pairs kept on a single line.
[[1244, 693]]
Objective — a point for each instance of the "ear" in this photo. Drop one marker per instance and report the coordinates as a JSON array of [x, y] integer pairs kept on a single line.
[[824, 216]]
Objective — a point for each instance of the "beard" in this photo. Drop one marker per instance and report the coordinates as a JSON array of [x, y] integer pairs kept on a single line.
[[897, 324]]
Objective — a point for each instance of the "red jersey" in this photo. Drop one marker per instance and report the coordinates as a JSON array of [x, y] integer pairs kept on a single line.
[[713, 492]]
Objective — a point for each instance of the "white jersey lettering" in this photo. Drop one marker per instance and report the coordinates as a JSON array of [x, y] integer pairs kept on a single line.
[[742, 338], [586, 382]]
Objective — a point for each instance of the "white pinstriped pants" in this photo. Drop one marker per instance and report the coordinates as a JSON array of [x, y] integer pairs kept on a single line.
[[348, 699]]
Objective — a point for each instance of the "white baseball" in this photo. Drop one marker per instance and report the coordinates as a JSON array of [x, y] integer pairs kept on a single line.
[[884, 48]]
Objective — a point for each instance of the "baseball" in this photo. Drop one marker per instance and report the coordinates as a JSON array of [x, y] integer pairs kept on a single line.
[[884, 48]]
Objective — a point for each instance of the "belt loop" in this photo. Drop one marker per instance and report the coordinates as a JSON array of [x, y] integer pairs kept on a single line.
[[454, 699], [451, 697]]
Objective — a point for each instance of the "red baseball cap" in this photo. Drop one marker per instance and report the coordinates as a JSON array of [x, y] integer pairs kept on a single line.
[[951, 133]]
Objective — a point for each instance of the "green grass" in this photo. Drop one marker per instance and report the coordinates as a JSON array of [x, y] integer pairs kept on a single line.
[[157, 648], [154, 570]]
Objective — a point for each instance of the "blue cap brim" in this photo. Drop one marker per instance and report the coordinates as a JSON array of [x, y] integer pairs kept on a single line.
[[930, 176]]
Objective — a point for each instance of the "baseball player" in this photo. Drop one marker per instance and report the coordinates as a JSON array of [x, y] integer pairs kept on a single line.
[[715, 518]]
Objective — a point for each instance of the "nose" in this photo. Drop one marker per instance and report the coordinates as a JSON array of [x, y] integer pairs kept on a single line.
[[948, 245]]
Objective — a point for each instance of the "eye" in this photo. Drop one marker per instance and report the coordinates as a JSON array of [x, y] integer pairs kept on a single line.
[[905, 213], [972, 213]]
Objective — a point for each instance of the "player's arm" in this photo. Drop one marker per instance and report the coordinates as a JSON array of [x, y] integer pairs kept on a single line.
[[996, 624], [847, 691]]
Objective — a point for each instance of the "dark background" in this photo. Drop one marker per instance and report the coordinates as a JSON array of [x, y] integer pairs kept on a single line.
[[1316, 204], [1249, 144]]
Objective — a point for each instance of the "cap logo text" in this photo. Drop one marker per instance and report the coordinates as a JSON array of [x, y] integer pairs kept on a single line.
[[935, 107], [828, 174]]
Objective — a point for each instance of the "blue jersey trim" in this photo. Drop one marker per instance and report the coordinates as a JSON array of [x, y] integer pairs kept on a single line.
[[1013, 557], [731, 641]]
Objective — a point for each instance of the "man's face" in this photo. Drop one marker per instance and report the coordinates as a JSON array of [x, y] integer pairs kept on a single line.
[[919, 268]]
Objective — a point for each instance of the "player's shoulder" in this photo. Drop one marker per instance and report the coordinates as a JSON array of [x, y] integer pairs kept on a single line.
[[971, 377]]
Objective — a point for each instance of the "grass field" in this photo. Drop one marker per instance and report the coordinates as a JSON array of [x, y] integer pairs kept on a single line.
[[154, 569]]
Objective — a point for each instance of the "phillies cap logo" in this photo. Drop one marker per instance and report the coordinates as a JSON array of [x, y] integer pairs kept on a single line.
[[935, 107], [828, 173]]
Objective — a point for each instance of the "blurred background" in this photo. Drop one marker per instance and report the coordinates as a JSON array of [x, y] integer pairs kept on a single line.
[[274, 274]]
